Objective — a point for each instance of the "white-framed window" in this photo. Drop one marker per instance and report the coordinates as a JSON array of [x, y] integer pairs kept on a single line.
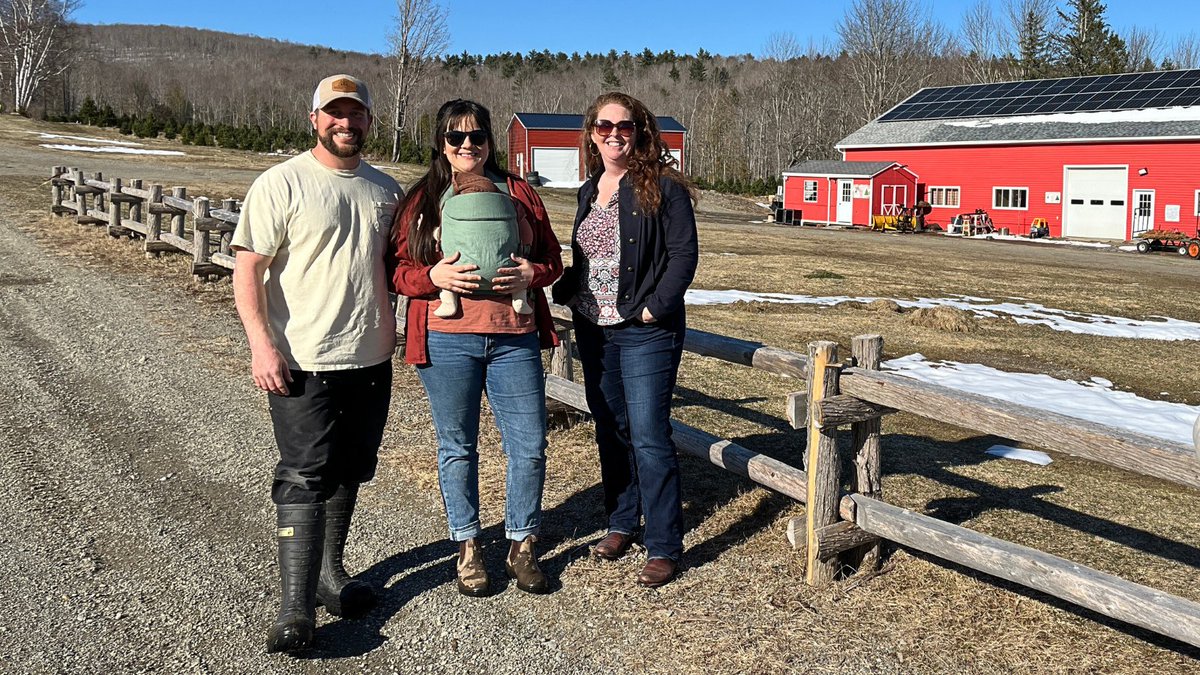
[[1010, 198], [810, 190], [943, 196], [1197, 204]]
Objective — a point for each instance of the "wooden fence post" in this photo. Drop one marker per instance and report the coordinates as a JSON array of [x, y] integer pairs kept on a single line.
[[200, 248], [80, 196], [100, 203], [230, 205], [867, 351], [561, 363], [56, 191], [135, 208], [114, 228], [154, 222], [177, 224], [821, 463]]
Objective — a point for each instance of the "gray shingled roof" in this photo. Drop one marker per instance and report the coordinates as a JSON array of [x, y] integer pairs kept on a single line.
[[952, 131], [833, 167]]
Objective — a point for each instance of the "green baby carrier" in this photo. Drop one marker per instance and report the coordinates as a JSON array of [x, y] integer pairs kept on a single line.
[[482, 226]]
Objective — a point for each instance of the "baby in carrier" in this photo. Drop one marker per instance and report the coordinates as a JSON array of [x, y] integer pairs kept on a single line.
[[482, 223]]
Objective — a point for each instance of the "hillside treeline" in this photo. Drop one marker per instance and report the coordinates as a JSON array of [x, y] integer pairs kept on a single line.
[[748, 117]]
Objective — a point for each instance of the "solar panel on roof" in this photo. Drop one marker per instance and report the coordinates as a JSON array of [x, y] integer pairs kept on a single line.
[[1093, 93]]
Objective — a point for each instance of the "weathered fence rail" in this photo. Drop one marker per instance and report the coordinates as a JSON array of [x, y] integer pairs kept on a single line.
[[135, 210], [841, 529]]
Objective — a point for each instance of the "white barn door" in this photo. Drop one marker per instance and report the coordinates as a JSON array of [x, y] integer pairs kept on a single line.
[[1094, 203], [557, 167]]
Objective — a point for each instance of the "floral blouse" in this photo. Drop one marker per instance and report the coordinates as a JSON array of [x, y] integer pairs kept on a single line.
[[599, 238]]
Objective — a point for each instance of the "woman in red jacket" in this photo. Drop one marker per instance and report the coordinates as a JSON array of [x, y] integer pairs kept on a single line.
[[486, 346]]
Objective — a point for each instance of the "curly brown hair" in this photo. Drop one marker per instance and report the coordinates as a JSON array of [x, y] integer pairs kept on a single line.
[[651, 158]]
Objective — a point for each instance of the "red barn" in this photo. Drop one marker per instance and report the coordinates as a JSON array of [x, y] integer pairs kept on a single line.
[[1102, 157], [846, 193], [548, 144]]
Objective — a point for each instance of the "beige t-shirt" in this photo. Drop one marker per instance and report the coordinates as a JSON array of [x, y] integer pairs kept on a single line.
[[327, 288]]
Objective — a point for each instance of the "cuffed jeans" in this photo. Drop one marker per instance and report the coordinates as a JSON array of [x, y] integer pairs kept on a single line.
[[629, 375], [328, 429], [461, 366]]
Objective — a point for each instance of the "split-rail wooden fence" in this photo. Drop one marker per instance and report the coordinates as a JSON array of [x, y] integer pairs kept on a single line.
[[129, 209], [845, 519]]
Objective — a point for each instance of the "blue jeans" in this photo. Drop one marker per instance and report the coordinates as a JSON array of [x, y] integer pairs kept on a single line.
[[629, 375], [461, 366]]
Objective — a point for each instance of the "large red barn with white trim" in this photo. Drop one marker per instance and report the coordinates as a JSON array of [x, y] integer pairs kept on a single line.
[[548, 144], [1102, 157]]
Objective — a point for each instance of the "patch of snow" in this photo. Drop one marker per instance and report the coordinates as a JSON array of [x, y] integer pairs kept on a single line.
[[1155, 328], [1176, 114], [1129, 249], [85, 139], [1041, 240], [120, 150], [1021, 454], [1094, 401]]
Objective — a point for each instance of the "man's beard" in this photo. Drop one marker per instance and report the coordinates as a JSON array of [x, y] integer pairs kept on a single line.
[[342, 151]]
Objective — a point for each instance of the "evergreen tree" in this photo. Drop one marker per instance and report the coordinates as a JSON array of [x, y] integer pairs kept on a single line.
[[1034, 45], [1086, 45], [610, 81], [674, 74], [89, 113], [697, 72]]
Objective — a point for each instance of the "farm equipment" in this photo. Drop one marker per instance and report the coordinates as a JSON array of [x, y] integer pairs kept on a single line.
[[1171, 240], [905, 219], [972, 224]]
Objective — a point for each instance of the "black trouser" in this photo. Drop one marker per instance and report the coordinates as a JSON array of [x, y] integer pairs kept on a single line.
[[328, 429]]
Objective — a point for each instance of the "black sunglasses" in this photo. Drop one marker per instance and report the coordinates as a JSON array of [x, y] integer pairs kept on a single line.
[[456, 138], [624, 127]]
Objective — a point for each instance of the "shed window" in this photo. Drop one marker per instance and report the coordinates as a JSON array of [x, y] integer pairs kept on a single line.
[[943, 196], [1010, 198], [810, 190], [1197, 203]]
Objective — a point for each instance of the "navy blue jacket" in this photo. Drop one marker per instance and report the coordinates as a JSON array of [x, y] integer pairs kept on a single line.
[[659, 250]]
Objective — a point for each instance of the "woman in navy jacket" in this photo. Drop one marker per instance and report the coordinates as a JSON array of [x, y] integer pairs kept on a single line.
[[634, 253]]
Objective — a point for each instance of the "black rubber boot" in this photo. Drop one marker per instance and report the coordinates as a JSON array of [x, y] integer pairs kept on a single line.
[[301, 531], [342, 595]]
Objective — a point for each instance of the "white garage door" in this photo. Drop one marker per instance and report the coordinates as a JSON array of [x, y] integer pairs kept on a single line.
[[557, 167], [1094, 203], [678, 155]]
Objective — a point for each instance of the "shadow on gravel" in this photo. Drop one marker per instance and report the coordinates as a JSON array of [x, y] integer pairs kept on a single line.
[[416, 571]]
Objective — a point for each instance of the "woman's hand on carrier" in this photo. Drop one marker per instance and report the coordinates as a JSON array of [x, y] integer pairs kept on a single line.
[[450, 277], [513, 279]]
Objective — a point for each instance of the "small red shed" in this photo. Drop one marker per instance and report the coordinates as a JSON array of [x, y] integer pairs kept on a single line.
[[548, 144], [834, 192]]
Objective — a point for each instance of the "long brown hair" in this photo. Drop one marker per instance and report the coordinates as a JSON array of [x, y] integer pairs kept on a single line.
[[422, 205], [651, 158]]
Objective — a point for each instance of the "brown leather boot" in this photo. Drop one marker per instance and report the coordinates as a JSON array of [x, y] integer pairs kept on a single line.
[[522, 565], [472, 575]]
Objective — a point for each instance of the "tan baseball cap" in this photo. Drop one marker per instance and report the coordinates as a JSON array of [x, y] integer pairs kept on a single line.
[[341, 86]]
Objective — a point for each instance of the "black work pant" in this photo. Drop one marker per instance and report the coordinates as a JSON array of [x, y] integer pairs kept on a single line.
[[328, 429]]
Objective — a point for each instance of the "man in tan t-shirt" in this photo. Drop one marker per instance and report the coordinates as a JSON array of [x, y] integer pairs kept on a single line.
[[312, 292]]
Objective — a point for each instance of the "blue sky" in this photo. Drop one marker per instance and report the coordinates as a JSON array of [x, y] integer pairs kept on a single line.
[[490, 26]]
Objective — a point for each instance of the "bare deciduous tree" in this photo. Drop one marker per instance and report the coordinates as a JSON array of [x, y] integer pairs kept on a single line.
[[1145, 47], [417, 39], [983, 42], [35, 44], [1186, 52], [891, 45]]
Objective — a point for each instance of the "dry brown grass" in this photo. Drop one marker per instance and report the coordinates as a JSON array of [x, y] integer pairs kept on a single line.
[[741, 605]]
